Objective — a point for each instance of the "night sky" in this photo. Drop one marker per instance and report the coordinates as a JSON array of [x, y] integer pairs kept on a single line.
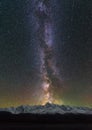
[[20, 76]]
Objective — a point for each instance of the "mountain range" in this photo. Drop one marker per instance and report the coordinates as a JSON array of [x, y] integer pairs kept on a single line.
[[47, 109]]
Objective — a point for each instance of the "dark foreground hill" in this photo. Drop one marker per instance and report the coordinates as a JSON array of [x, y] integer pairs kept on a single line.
[[50, 116]]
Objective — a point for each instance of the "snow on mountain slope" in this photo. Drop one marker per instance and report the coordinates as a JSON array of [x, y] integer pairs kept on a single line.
[[48, 109]]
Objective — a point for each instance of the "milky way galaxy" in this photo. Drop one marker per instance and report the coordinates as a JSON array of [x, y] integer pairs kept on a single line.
[[45, 35]]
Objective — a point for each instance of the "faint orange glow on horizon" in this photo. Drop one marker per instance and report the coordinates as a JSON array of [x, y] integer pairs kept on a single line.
[[55, 101], [48, 97]]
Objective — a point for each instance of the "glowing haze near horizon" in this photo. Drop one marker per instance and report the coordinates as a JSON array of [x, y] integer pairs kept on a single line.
[[45, 57]]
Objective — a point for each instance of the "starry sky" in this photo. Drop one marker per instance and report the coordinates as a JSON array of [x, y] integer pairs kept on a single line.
[[20, 62]]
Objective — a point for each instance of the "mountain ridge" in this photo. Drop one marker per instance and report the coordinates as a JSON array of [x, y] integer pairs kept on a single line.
[[48, 109]]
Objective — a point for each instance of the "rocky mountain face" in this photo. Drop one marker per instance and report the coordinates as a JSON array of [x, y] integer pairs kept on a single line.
[[48, 109]]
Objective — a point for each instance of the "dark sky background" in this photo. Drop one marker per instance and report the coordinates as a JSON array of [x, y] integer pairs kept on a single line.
[[20, 59]]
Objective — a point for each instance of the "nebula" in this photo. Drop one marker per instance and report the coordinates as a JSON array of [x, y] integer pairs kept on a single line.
[[45, 35]]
